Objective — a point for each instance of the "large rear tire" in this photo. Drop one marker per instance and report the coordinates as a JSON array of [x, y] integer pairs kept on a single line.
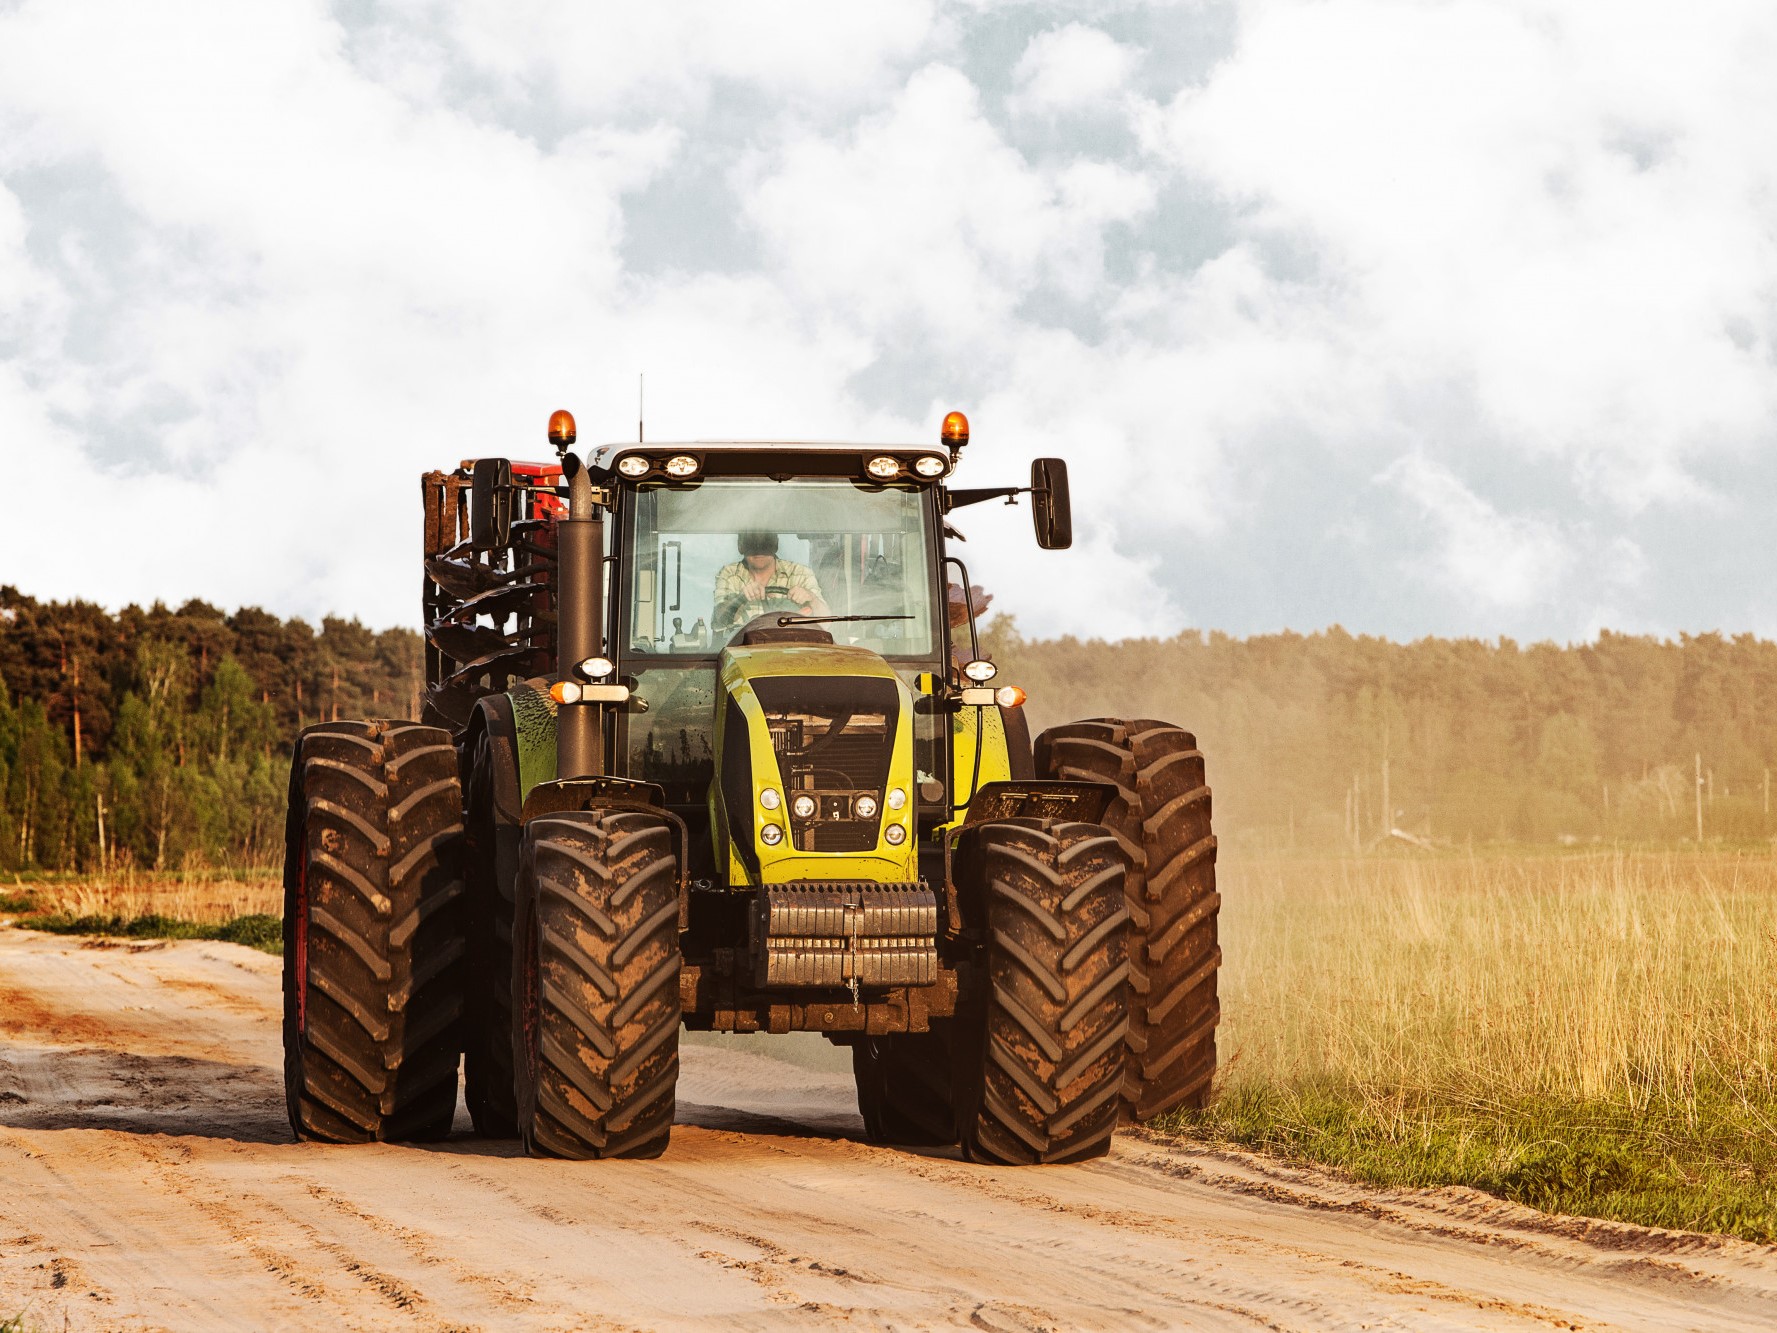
[[596, 984], [373, 933], [1162, 816], [906, 1086], [1050, 1015], [490, 862]]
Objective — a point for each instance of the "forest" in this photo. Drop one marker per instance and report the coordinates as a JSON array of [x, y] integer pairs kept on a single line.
[[160, 738], [1330, 740]]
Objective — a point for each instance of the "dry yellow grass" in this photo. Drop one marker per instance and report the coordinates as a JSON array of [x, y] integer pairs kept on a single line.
[[1591, 1033], [1619, 978], [203, 896]]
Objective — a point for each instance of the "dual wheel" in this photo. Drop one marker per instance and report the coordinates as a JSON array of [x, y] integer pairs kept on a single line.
[[1030, 1068], [384, 939], [1044, 945]]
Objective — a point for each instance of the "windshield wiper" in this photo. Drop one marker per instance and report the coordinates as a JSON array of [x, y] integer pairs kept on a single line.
[[782, 621]]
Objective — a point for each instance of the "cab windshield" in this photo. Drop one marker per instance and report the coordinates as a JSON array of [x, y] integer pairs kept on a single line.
[[710, 557]]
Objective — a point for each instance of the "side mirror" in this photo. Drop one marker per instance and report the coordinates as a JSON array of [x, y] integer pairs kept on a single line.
[[1050, 510], [490, 504]]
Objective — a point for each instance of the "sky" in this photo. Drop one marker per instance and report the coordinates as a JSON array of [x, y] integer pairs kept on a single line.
[[1448, 317]]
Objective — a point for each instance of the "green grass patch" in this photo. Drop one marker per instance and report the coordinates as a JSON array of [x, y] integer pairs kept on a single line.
[[16, 902], [1711, 1167], [258, 931]]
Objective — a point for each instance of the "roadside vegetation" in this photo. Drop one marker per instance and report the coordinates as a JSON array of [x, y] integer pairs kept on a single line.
[[261, 932], [1586, 1033], [241, 907]]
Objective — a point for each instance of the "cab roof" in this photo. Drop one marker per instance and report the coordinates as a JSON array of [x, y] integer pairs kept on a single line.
[[740, 446], [780, 459]]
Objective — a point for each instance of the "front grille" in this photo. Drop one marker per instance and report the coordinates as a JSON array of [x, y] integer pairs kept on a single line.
[[833, 738], [848, 837]]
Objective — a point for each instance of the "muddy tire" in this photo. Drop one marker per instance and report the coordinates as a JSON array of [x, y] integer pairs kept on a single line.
[[1047, 1025], [1162, 816], [906, 1087], [596, 985], [490, 864], [373, 933]]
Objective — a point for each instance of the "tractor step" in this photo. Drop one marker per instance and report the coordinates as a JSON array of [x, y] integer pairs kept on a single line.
[[845, 933]]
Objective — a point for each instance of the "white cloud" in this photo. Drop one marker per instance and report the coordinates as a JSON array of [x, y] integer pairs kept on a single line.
[[282, 261], [670, 60], [1509, 561], [924, 215], [1557, 208], [1071, 67]]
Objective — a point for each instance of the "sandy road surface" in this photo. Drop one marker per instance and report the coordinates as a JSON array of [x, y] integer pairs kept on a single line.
[[147, 1181]]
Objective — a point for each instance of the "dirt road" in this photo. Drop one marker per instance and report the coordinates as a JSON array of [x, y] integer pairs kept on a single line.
[[147, 1180]]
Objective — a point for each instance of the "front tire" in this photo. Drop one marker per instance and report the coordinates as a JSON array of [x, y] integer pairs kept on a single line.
[[1051, 1012], [596, 984], [1162, 816], [373, 933]]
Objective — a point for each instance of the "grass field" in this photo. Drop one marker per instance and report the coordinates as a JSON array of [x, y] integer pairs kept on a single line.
[[1590, 1033]]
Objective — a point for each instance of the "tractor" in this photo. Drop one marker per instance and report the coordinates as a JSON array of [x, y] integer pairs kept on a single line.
[[708, 743]]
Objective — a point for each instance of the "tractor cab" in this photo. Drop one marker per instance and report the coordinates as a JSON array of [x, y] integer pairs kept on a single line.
[[790, 588]]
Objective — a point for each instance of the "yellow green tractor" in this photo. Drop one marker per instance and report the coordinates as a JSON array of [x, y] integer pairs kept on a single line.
[[709, 743]]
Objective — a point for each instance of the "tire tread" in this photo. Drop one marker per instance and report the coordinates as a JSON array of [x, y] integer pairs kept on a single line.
[[599, 889], [1162, 817], [371, 864]]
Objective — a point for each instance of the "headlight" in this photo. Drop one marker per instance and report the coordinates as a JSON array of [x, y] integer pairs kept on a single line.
[[771, 835], [896, 798], [896, 835], [866, 807], [1009, 696], [980, 671], [681, 465], [929, 465], [803, 806], [770, 799], [883, 467], [632, 465], [596, 668]]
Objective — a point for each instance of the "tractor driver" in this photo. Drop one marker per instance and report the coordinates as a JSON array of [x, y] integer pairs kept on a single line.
[[759, 582]]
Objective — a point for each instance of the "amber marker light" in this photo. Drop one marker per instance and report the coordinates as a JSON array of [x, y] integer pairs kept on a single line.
[[1009, 696], [955, 432], [561, 429], [565, 692]]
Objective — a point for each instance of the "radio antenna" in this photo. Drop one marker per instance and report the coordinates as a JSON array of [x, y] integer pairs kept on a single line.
[[641, 403]]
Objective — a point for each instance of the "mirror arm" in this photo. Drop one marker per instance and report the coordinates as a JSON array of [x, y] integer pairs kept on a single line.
[[957, 499]]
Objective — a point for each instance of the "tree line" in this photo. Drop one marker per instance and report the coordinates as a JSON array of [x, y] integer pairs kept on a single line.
[[160, 737], [1331, 740]]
